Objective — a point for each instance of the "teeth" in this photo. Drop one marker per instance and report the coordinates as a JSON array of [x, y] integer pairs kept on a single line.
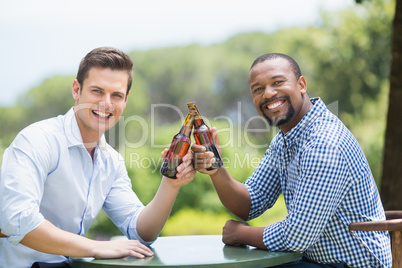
[[101, 114], [274, 105]]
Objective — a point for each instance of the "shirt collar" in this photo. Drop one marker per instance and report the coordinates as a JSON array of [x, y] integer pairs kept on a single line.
[[73, 134], [293, 135], [71, 129]]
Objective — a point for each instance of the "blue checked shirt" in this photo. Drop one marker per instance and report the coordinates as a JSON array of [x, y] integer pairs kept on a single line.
[[327, 184]]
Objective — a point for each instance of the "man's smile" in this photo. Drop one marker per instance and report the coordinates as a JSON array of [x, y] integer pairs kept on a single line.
[[102, 115], [273, 104]]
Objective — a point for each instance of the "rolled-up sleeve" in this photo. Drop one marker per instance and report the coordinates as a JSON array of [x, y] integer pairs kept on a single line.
[[263, 185], [24, 169]]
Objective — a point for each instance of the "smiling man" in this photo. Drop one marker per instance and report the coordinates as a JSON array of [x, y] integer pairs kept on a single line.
[[59, 173], [318, 166]]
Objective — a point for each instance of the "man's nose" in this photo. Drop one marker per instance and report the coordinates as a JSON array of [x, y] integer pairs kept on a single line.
[[269, 92], [106, 103]]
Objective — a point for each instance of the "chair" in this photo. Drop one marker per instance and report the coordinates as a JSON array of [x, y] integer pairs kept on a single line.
[[393, 224]]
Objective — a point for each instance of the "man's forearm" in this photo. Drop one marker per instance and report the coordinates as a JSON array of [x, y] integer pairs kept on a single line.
[[238, 233], [48, 238], [233, 194], [154, 216], [253, 236]]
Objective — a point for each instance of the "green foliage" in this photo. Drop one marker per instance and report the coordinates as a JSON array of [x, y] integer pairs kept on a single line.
[[345, 58], [205, 222], [194, 222], [51, 98]]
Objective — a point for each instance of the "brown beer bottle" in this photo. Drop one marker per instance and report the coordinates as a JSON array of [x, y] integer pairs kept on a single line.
[[178, 148], [202, 136]]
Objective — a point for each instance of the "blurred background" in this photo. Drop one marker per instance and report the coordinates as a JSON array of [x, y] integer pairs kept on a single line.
[[202, 52]]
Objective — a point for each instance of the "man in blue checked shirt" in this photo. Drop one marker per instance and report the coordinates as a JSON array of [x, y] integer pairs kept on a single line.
[[319, 167]]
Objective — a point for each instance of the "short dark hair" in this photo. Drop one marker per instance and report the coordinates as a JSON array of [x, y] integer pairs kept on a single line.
[[270, 56], [105, 57]]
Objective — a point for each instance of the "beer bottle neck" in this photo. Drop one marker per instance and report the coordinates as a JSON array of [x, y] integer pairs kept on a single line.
[[198, 121], [188, 124]]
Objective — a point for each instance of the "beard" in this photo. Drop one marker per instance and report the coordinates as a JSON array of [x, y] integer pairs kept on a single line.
[[281, 120]]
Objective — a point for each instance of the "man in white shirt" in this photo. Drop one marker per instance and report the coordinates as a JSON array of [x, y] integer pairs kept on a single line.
[[59, 173]]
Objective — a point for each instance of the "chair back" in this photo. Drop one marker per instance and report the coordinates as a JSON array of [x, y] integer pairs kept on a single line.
[[392, 224]]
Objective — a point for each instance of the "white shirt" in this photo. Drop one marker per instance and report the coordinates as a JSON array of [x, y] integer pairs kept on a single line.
[[48, 174]]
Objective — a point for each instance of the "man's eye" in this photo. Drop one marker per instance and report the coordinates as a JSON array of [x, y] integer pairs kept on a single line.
[[258, 89], [278, 83], [96, 91], [118, 96]]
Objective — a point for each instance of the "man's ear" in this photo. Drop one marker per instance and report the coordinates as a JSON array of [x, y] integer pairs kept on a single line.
[[125, 102], [302, 85], [76, 89]]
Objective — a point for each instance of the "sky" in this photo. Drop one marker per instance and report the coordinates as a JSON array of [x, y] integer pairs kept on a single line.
[[43, 38]]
